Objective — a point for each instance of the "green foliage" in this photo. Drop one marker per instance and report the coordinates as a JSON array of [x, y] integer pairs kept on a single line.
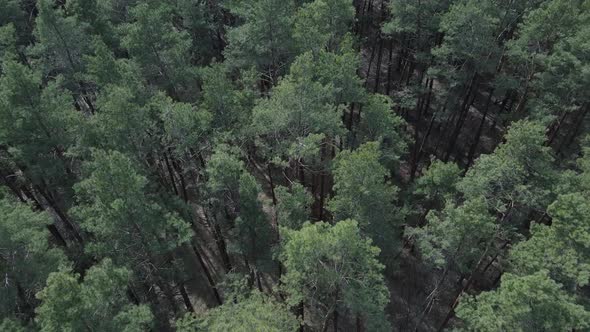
[[11, 325], [380, 124], [421, 20], [469, 29], [37, 124], [331, 267], [562, 248], [439, 182], [293, 206], [518, 173], [202, 21], [161, 51], [127, 119], [363, 194], [322, 24], [61, 43], [26, 257], [555, 69], [257, 312], [224, 171], [529, 303], [457, 237], [229, 102], [13, 17], [185, 127], [264, 38], [124, 121], [336, 71], [298, 107], [95, 15], [126, 224], [7, 41], [98, 302], [102, 67]]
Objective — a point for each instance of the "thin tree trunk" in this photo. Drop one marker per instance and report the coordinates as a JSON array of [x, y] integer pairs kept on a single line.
[[470, 280], [555, 129], [368, 75], [322, 193], [378, 72], [359, 323], [222, 247], [389, 68], [170, 173], [61, 215], [185, 298], [302, 314], [178, 169], [335, 320], [37, 205], [207, 275], [479, 132], [423, 106], [272, 186], [464, 111]]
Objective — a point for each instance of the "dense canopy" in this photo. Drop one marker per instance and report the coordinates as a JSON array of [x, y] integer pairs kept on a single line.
[[294, 165]]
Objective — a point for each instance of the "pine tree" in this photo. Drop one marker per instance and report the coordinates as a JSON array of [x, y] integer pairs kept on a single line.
[[331, 269], [530, 303], [38, 127], [518, 174], [26, 257], [293, 206], [161, 51], [229, 102], [458, 237], [126, 224], [379, 124], [253, 231], [257, 312], [322, 24], [98, 302], [363, 194], [263, 39]]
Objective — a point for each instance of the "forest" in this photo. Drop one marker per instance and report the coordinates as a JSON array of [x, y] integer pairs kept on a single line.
[[294, 165]]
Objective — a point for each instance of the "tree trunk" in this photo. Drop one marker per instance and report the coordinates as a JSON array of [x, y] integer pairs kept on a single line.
[[479, 132], [170, 173], [423, 106], [222, 247], [464, 111], [178, 169], [61, 215], [555, 129], [59, 239], [207, 275], [335, 317], [185, 298], [368, 75], [389, 68], [470, 280], [302, 314], [378, 69], [272, 185], [322, 193]]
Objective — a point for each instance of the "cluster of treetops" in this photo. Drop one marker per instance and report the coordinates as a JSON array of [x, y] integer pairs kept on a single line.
[[265, 165]]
